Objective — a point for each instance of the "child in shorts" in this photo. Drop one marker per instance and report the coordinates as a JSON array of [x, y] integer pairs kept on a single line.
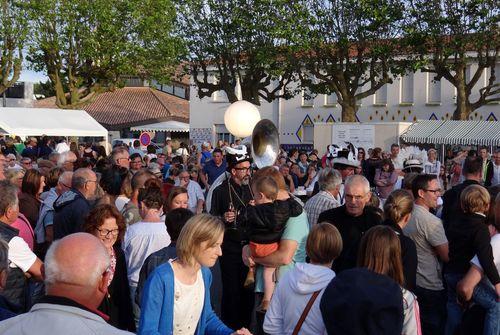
[[265, 224]]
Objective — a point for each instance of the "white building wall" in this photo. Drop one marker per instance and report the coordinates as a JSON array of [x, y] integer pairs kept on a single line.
[[290, 116]]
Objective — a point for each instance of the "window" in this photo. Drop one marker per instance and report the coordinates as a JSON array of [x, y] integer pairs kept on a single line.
[[381, 96], [331, 99], [221, 133], [433, 89], [308, 133], [307, 98], [407, 89]]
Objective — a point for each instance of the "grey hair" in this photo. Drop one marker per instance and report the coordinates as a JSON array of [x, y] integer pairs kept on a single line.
[[8, 196], [65, 176], [116, 151], [329, 179], [63, 158], [55, 273], [4, 255], [80, 177], [360, 180]]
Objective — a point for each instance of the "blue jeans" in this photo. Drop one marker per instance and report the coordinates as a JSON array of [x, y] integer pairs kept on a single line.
[[453, 309], [485, 297], [432, 310]]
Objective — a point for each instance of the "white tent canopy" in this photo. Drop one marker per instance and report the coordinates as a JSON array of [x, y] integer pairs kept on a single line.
[[48, 121], [167, 126]]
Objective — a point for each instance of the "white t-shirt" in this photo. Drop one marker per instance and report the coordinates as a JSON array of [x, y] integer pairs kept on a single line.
[[120, 202], [141, 240], [20, 254], [495, 246], [188, 305], [62, 147]]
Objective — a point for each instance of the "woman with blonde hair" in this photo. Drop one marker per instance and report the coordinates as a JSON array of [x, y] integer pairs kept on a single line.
[[397, 212], [176, 298], [380, 252]]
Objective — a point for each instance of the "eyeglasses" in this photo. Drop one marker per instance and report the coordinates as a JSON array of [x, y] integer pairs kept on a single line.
[[185, 177], [67, 186], [27, 163], [435, 191], [91, 181], [106, 232], [352, 197]]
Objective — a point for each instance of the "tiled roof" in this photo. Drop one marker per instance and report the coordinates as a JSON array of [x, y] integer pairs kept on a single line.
[[131, 106]]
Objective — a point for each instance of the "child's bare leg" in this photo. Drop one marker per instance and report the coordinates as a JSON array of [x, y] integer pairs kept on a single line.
[[250, 279], [268, 286]]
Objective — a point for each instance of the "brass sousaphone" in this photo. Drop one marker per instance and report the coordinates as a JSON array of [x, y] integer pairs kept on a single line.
[[265, 143]]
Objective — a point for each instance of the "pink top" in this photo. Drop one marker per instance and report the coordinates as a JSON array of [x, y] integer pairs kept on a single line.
[[25, 230]]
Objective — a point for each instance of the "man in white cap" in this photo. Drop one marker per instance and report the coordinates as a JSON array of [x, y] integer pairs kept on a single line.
[[346, 164]]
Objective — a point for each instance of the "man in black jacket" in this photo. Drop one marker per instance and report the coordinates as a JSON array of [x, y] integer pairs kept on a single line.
[[352, 220], [72, 206], [451, 199], [227, 201]]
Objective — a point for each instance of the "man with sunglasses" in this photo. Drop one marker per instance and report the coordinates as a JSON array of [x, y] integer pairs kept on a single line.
[[427, 231], [72, 207]]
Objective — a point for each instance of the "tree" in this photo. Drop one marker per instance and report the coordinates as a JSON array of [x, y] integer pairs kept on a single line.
[[351, 48], [14, 28], [86, 47], [448, 35], [245, 42]]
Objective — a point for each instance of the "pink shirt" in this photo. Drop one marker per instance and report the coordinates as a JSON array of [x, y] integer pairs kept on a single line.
[[25, 230]]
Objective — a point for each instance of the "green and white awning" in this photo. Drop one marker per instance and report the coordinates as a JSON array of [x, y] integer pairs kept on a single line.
[[454, 132]]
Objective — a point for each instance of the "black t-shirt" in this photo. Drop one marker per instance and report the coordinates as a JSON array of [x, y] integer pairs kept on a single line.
[[351, 229]]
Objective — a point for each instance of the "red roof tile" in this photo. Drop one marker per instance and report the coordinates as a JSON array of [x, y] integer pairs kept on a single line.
[[131, 106]]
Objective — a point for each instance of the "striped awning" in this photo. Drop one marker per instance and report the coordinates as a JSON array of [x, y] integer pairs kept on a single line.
[[454, 132], [167, 126]]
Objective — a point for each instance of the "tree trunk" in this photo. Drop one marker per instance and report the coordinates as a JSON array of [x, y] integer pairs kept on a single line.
[[349, 109], [464, 108], [250, 96], [60, 95]]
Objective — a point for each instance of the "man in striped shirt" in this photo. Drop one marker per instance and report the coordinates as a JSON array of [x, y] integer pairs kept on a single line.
[[329, 181]]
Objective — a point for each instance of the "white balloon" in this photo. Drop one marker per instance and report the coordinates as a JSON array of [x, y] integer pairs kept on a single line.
[[241, 117]]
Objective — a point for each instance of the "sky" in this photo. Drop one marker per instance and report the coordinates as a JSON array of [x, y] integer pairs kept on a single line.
[[32, 76]]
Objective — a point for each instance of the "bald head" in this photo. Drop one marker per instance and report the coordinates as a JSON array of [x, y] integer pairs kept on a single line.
[[78, 260]]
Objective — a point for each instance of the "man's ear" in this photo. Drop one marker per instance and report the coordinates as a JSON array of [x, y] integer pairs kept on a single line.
[[104, 282], [420, 193]]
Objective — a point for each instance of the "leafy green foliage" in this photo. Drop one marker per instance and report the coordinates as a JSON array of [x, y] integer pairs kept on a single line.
[[13, 35], [351, 48], [239, 41], [86, 46], [446, 36]]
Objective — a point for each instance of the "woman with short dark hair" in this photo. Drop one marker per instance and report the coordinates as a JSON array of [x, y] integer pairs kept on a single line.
[[107, 224]]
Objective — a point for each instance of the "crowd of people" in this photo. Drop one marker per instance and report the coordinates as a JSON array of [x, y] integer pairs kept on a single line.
[[187, 241]]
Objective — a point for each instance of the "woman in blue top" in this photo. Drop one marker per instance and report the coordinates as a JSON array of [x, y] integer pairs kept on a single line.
[[176, 298]]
